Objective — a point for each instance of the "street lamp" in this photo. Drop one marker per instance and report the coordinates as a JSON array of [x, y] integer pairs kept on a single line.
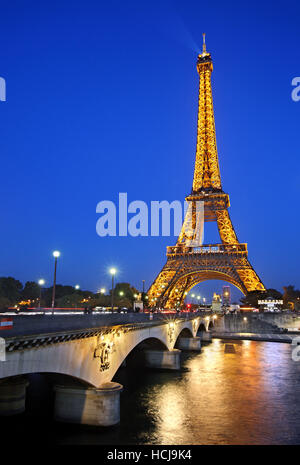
[[41, 282], [102, 290], [55, 254], [77, 287], [121, 293], [112, 272]]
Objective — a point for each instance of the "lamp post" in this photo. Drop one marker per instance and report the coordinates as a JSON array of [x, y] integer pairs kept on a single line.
[[41, 282], [112, 272], [77, 287], [55, 254]]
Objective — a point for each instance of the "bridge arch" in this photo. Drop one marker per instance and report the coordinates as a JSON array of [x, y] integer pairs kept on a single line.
[[185, 332]]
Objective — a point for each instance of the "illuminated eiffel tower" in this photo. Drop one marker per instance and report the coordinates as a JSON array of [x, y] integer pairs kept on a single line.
[[189, 262]]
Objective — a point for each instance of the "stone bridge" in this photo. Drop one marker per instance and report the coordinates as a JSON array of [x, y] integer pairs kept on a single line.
[[89, 358]]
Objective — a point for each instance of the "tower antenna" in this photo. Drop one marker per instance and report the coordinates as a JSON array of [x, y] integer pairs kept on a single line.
[[204, 44]]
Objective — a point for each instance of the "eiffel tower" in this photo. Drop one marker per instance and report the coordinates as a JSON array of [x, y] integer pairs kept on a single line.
[[189, 262]]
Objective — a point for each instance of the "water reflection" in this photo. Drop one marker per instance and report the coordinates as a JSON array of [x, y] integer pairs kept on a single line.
[[246, 396]]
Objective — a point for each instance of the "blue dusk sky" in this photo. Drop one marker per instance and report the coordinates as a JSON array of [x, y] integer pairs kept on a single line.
[[102, 98]]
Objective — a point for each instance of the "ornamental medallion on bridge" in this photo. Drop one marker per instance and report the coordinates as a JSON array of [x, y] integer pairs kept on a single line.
[[103, 351], [195, 325], [171, 332]]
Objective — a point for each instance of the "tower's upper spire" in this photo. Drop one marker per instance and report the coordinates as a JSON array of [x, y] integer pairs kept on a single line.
[[206, 173], [204, 44]]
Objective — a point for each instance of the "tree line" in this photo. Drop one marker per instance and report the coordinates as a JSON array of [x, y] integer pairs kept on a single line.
[[13, 292], [290, 297]]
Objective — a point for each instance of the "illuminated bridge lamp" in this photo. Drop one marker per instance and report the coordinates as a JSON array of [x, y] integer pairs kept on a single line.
[[55, 254], [112, 272], [41, 282]]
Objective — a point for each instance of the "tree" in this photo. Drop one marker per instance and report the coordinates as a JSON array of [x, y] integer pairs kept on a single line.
[[10, 288], [125, 291], [4, 303], [253, 297], [290, 294], [71, 300], [31, 291], [274, 294], [62, 291]]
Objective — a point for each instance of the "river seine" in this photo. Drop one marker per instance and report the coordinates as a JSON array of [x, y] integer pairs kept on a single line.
[[233, 392]]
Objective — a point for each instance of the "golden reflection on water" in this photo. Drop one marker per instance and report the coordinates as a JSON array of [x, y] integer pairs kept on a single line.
[[243, 397]]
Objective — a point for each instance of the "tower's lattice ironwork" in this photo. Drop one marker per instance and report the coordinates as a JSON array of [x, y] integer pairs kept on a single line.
[[188, 262]]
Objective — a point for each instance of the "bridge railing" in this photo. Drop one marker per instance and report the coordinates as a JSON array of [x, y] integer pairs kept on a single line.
[[25, 325]]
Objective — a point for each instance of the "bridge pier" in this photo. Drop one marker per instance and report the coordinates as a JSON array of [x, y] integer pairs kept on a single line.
[[163, 359], [205, 336], [189, 343], [12, 396], [88, 406]]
